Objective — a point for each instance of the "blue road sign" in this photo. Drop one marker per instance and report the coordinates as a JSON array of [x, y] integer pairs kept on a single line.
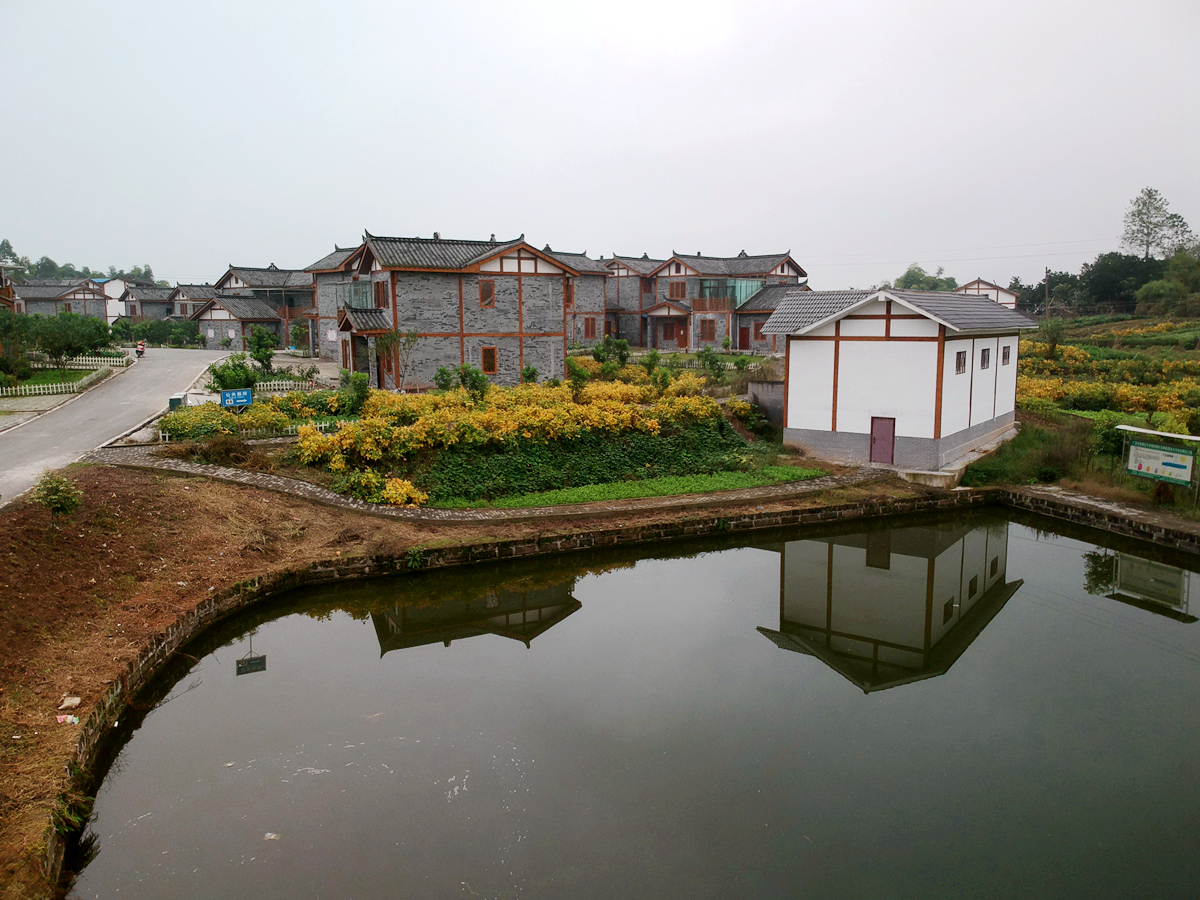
[[239, 397]]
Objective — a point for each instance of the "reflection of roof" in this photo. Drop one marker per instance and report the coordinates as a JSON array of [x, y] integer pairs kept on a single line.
[[245, 308], [333, 261], [876, 674], [272, 277], [643, 264], [519, 615], [734, 266], [363, 321]]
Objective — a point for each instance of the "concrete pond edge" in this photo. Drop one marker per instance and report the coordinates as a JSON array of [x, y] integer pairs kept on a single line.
[[117, 700]]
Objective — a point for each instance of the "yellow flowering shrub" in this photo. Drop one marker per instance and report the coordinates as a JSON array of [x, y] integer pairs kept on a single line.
[[260, 416], [194, 422], [399, 492], [687, 384]]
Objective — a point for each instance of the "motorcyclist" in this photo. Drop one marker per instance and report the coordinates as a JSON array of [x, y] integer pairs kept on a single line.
[[141, 349]]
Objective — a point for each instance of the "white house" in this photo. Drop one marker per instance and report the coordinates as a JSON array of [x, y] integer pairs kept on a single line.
[[911, 378], [982, 288]]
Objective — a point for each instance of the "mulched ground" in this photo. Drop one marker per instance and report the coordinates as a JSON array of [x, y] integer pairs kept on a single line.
[[79, 598]]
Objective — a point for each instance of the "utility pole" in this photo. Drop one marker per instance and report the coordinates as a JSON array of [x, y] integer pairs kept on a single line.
[[1047, 289]]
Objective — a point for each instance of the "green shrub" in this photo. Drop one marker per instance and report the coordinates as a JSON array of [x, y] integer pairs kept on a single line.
[[364, 484], [356, 387], [194, 422], [232, 374]]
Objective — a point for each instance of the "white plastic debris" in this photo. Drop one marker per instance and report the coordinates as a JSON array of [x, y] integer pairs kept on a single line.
[[270, 836]]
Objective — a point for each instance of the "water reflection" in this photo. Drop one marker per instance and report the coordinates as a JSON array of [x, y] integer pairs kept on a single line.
[[887, 608], [1154, 586], [521, 615]]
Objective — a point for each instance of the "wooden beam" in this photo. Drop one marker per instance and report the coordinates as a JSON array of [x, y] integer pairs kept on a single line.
[[837, 344], [941, 374]]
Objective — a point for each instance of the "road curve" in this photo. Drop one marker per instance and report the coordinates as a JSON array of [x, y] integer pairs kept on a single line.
[[64, 434]]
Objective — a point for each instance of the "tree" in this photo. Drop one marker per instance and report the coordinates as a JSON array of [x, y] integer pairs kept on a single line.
[[57, 494], [916, 278], [1159, 298], [67, 335], [262, 346], [402, 344], [1112, 279], [1151, 229], [1051, 332]]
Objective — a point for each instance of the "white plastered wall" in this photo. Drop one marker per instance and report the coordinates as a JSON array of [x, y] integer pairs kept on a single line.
[[1006, 377], [889, 379], [810, 385]]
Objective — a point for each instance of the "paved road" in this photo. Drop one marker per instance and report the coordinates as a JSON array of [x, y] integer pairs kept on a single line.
[[63, 435]]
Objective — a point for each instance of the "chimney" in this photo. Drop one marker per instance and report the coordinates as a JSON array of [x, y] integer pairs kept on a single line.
[[437, 236], [493, 238]]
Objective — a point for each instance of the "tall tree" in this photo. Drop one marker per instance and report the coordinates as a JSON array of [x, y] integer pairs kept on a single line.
[[1111, 279], [916, 278], [1151, 229]]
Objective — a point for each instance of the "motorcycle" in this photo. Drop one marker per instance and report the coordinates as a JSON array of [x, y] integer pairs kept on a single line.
[[140, 351]]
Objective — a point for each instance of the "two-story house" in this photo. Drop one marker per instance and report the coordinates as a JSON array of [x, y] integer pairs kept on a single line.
[[145, 302], [51, 296], [630, 294], [289, 291]]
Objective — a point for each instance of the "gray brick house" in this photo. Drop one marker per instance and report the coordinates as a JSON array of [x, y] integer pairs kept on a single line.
[[290, 291], [630, 292], [50, 296], [145, 302], [697, 298], [495, 305], [230, 317]]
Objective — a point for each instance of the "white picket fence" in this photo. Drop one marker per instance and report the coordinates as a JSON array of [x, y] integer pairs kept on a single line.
[[39, 390], [751, 369], [87, 362], [283, 385]]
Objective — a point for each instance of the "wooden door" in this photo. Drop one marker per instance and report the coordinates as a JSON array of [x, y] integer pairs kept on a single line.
[[743, 337], [883, 440], [682, 328]]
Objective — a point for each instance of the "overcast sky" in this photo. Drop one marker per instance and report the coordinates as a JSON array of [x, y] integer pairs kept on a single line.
[[991, 138]]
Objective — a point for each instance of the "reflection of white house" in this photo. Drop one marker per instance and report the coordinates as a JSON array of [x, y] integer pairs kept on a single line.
[[887, 608], [914, 378], [982, 288]]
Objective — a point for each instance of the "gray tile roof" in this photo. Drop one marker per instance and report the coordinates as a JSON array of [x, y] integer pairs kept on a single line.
[[55, 282], [965, 312], [272, 277], [46, 291], [332, 261], [194, 292], [580, 262], [367, 320], [434, 253], [734, 266], [799, 309], [959, 312], [244, 308], [643, 264], [147, 294], [768, 298]]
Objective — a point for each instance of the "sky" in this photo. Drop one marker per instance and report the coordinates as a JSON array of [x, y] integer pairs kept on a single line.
[[991, 138]]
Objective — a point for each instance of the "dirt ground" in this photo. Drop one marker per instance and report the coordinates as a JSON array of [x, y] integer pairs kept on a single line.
[[80, 598]]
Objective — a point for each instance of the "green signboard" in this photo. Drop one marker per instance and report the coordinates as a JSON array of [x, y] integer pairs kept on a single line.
[[248, 665], [1160, 462]]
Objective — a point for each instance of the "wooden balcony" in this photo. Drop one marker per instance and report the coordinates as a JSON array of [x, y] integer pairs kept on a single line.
[[710, 304]]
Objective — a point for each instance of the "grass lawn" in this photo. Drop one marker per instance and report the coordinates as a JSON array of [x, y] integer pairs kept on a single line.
[[54, 376], [650, 487]]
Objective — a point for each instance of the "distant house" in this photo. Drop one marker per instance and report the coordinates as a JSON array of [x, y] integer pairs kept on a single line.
[[584, 298], [143, 303], [979, 287], [230, 317], [697, 297], [290, 291], [888, 608], [186, 299], [323, 317], [630, 294], [495, 305], [910, 378], [50, 296], [7, 266]]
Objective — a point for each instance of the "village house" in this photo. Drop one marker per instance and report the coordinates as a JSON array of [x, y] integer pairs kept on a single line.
[[186, 299], [496, 305], [289, 291], [982, 288], [50, 296], [145, 302], [910, 378], [226, 320], [696, 298], [630, 293]]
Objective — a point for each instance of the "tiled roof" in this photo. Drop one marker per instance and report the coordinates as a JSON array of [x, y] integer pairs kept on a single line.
[[799, 309], [195, 291], [333, 261], [643, 265], [55, 282], [768, 298], [365, 321], [272, 277], [148, 294], [734, 266], [580, 262], [965, 312], [434, 253], [245, 308], [43, 291]]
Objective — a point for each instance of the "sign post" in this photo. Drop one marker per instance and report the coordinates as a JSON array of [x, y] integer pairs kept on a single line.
[[236, 398], [1160, 462]]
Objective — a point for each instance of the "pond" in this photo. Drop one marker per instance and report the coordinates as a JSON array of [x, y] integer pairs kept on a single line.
[[970, 707]]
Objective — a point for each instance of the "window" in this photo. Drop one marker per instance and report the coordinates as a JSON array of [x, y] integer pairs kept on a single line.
[[678, 268], [381, 295], [353, 295], [758, 335], [607, 327], [669, 330], [677, 290], [973, 586], [66, 307], [132, 309], [487, 359], [569, 295], [487, 300], [995, 565], [589, 327], [960, 362], [985, 357], [948, 611], [1005, 355], [708, 330], [647, 285]]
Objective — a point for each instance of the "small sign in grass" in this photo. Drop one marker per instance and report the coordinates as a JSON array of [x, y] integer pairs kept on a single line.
[[649, 487]]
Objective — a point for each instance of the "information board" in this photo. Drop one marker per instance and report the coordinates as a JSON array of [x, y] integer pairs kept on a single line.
[[248, 665], [1160, 462], [239, 397]]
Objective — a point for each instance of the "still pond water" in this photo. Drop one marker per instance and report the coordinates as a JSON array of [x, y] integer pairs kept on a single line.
[[958, 708]]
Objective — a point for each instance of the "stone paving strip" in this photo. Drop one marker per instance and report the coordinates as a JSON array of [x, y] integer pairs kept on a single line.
[[142, 457]]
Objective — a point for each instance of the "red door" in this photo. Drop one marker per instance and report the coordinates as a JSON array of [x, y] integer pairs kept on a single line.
[[743, 337], [683, 334], [883, 440]]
